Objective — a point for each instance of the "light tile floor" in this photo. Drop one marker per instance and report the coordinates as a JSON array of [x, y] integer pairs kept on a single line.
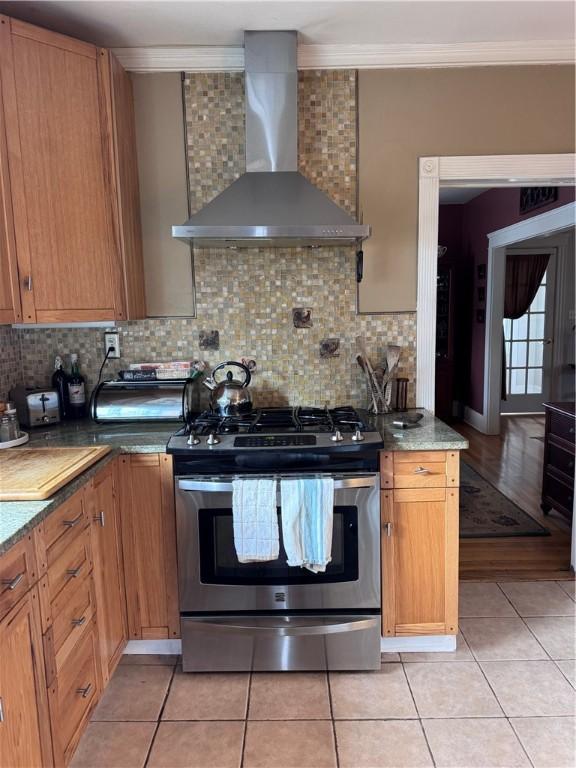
[[504, 698]]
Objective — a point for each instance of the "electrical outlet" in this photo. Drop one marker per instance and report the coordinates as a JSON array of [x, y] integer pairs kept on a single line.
[[112, 339]]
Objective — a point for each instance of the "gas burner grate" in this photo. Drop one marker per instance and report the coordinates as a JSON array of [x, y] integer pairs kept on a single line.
[[278, 419]]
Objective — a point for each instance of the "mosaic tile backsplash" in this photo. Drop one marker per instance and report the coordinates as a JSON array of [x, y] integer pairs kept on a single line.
[[248, 296]]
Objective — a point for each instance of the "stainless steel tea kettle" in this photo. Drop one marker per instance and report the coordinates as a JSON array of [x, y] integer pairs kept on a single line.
[[229, 397]]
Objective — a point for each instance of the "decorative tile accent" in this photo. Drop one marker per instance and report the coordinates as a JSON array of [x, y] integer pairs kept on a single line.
[[209, 340], [302, 317], [250, 293], [330, 348]]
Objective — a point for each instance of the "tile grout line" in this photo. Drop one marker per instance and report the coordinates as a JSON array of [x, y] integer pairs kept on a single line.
[[510, 603], [332, 719], [246, 716], [529, 628], [417, 711], [549, 658], [160, 713], [519, 741]]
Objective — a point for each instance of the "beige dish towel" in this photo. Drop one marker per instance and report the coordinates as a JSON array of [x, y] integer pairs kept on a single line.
[[255, 519]]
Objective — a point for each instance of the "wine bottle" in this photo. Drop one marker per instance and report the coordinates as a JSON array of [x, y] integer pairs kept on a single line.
[[76, 390], [60, 384]]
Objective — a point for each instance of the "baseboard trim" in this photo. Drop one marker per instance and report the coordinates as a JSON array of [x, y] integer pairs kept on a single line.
[[475, 419], [419, 644], [157, 647]]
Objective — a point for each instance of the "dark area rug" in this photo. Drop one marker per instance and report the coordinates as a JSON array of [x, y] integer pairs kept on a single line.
[[487, 513]]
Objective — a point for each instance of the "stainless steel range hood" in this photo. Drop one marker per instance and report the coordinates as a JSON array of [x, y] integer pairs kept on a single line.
[[272, 204]]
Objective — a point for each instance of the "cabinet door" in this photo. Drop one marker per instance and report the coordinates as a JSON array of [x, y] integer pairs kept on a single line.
[[149, 544], [420, 561], [24, 723], [59, 147], [103, 509], [9, 289]]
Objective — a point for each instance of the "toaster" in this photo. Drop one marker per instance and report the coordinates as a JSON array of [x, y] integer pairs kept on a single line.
[[36, 407]]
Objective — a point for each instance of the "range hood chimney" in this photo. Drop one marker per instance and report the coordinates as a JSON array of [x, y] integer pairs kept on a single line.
[[271, 204]]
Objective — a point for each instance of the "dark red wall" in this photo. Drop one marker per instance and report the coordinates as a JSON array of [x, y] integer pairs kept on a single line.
[[465, 229]]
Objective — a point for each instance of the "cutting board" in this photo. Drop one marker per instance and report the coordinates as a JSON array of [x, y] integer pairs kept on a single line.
[[32, 474]]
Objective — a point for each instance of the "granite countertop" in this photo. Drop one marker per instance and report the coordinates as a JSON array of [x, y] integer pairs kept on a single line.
[[144, 437], [18, 517], [430, 434]]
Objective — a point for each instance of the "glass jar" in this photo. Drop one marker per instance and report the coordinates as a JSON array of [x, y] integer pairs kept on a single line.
[[4, 429], [13, 425]]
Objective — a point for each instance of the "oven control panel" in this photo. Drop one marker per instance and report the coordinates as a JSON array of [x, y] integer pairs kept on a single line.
[[273, 441]]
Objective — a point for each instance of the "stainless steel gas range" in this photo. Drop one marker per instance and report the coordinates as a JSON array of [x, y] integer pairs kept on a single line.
[[268, 615]]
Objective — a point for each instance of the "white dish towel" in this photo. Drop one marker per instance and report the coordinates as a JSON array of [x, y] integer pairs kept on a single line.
[[307, 519], [255, 519]]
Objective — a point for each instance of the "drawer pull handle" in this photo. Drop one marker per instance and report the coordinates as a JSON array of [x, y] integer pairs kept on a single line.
[[72, 523], [99, 518], [1, 711], [421, 471], [73, 572], [13, 583], [79, 622], [84, 691], [388, 529]]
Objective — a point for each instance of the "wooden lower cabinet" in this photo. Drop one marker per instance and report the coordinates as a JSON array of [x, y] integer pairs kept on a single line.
[[74, 694], [24, 723], [149, 545], [104, 514], [420, 555]]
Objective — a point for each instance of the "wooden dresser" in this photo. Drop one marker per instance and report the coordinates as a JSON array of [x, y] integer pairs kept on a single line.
[[558, 473]]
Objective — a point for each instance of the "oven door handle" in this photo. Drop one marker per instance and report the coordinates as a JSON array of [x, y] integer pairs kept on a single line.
[[271, 627], [225, 486]]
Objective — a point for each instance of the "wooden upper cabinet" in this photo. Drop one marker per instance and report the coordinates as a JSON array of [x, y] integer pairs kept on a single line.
[[68, 120]]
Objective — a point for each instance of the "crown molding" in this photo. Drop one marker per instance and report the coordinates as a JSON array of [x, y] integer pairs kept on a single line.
[[353, 56]]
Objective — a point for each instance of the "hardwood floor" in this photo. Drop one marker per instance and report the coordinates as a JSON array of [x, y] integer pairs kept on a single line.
[[512, 462]]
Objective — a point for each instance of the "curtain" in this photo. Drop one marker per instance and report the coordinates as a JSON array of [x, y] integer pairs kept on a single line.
[[524, 273]]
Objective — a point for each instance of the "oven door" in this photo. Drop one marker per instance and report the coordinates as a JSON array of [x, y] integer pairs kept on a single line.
[[211, 579]]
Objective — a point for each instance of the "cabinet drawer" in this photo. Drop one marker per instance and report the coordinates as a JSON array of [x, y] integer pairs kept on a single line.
[[64, 522], [420, 474], [561, 460], [557, 493], [17, 573], [73, 695], [420, 457], [69, 562], [73, 612], [562, 426]]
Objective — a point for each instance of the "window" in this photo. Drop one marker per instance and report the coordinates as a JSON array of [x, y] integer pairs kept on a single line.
[[524, 345]]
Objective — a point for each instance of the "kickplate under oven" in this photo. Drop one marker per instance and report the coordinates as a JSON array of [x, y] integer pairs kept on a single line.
[[280, 643]]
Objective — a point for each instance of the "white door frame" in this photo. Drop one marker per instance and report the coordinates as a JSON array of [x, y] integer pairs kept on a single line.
[[546, 223], [465, 171]]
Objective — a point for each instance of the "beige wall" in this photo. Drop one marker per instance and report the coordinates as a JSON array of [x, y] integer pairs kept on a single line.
[[161, 149], [406, 114]]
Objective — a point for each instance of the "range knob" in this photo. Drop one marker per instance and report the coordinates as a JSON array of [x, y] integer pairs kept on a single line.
[[212, 439], [358, 436], [193, 439], [337, 437]]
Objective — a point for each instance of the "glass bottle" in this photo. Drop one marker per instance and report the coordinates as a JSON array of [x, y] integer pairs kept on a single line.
[[76, 390], [60, 383]]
